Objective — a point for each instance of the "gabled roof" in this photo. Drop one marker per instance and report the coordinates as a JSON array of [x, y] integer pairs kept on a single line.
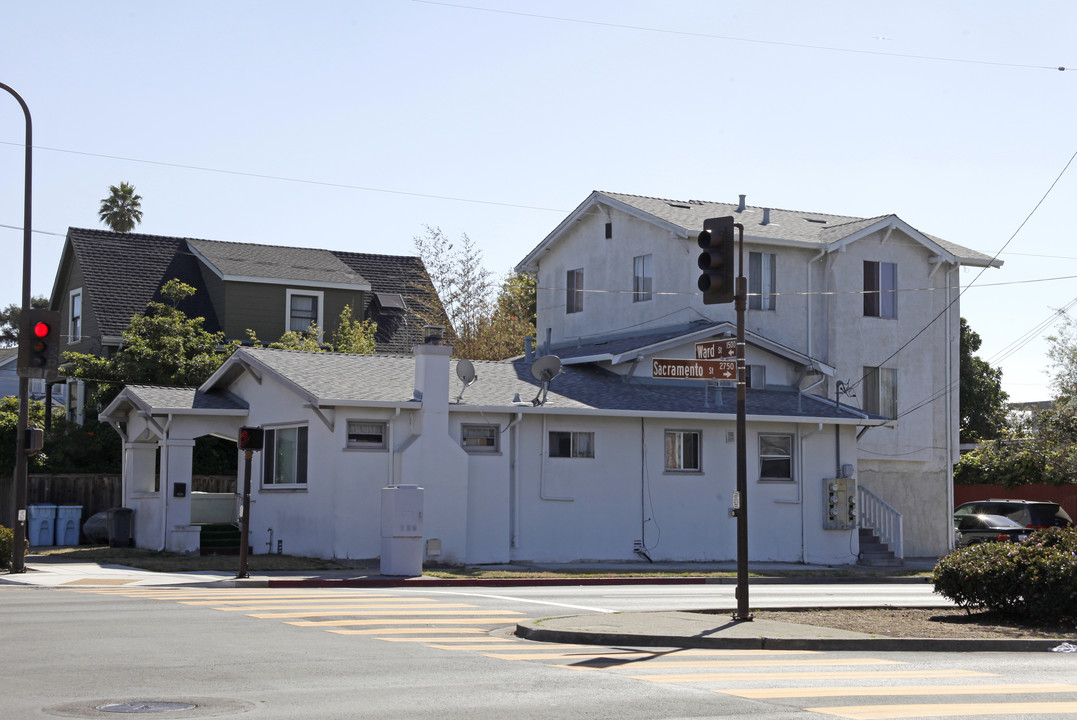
[[684, 218], [157, 399], [331, 380], [123, 272]]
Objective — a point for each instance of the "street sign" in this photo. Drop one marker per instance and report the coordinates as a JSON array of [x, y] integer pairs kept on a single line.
[[716, 349], [678, 369]]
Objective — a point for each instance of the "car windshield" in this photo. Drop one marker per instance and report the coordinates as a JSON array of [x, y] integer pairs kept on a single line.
[[999, 521]]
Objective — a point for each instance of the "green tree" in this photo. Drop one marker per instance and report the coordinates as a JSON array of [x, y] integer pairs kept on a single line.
[[983, 401], [122, 209], [351, 336], [161, 347], [9, 320], [487, 320]]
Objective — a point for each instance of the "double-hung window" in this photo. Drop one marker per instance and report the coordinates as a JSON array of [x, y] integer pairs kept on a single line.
[[776, 457], [762, 278], [284, 461], [574, 291], [682, 450], [572, 444], [641, 278], [880, 391], [304, 308], [880, 289], [74, 322]]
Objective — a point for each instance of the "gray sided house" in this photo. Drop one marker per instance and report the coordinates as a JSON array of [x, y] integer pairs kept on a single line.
[[106, 278]]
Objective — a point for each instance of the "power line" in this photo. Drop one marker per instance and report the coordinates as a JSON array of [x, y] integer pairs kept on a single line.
[[730, 38]]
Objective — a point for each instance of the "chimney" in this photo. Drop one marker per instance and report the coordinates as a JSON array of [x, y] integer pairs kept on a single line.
[[766, 216], [529, 353], [432, 373], [740, 206]]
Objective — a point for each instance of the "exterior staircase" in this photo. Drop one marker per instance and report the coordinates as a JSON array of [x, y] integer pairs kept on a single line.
[[874, 552]]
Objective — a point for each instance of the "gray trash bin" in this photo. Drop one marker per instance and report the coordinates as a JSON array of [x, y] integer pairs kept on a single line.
[[40, 523], [119, 527], [68, 520]]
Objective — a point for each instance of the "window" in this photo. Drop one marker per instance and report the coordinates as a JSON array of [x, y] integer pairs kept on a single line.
[[880, 289], [762, 275], [285, 456], [480, 438], [304, 308], [574, 296], [572, 444], [755, 376], [776, 457], [641, 278], [74, 326], [366, 435], [880, 391], [682, 450]]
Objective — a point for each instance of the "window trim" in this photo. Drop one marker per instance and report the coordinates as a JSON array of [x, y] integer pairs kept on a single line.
[[574, 291], [293, 292], [74, 322], [495, 437], [680, 434], [789, 457], [361, 446], [302, 458], [642, 278], [574, 443], [880, 289], [762, 296]]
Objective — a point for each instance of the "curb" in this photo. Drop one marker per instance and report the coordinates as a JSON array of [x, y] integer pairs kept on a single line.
[[528, 631], [385, 582]]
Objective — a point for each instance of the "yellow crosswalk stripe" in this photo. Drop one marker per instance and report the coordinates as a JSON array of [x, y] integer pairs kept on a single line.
[[807, 675], [634, 660], [359, 608], [284, 602], [893, 712], [407, 631], [338, 613], [484, 642], [865, 691]]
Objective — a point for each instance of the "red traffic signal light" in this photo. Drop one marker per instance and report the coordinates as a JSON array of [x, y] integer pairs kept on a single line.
[[716, 261], [39, 343], [251, 438]]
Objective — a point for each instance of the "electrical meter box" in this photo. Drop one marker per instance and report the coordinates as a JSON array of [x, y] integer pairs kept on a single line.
[[839, 503], [402, 530]]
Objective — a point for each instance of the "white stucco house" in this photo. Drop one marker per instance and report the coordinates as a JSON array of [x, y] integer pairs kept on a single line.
[[873, 299], [592, 468]]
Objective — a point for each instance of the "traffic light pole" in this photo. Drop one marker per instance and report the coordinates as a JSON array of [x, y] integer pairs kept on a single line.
[[18, 554], [740, 302]]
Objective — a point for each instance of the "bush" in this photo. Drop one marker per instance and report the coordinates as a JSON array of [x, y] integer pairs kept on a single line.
[[1035, 580], [7, 546]]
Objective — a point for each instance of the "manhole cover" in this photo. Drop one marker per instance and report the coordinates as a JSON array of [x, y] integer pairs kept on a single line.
[[145, 707]]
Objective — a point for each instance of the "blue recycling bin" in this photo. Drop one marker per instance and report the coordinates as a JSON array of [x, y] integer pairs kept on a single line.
[[68, 522], [40, 523]]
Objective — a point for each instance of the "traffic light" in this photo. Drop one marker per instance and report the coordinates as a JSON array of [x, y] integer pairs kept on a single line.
[[716, 261], [39, 343], [251, 438]]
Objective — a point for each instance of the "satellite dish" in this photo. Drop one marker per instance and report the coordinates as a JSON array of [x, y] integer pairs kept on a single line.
[[465, 370], [546, 368]]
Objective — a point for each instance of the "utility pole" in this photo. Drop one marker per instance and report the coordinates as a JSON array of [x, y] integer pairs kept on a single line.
[[18, 554]]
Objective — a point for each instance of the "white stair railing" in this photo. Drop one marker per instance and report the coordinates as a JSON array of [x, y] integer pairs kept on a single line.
[[878, 515]]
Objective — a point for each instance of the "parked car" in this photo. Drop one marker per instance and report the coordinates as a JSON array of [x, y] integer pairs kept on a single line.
[[1034, 514], [973, 529]]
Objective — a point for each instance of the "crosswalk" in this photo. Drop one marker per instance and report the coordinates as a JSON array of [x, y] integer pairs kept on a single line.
[[801, 679]]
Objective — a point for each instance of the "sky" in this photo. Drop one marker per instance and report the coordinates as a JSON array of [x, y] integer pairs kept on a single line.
[[355, 125]]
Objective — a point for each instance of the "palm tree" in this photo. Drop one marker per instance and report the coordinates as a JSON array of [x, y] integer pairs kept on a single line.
[[122, 209]]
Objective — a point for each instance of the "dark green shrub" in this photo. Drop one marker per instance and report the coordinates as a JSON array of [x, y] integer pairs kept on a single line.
[[7, 546], [1035, 580]]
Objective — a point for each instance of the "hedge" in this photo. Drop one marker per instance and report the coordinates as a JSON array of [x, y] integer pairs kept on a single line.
[[7, 546], [1034, 580]]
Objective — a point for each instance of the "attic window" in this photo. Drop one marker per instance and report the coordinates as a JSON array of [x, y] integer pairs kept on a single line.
[[390, 301]]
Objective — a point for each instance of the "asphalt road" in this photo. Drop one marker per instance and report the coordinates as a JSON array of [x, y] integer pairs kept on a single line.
[[289, 654]]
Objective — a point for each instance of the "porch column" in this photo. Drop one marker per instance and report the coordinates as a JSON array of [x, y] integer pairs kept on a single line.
[[139, 493], [176, 463]]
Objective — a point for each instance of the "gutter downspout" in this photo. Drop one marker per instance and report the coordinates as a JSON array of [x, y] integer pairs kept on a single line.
[[950, 400], [800, 490], [514, 481]]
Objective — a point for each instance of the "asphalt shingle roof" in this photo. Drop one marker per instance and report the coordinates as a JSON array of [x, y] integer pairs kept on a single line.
[[186, 398], [275, 262]]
